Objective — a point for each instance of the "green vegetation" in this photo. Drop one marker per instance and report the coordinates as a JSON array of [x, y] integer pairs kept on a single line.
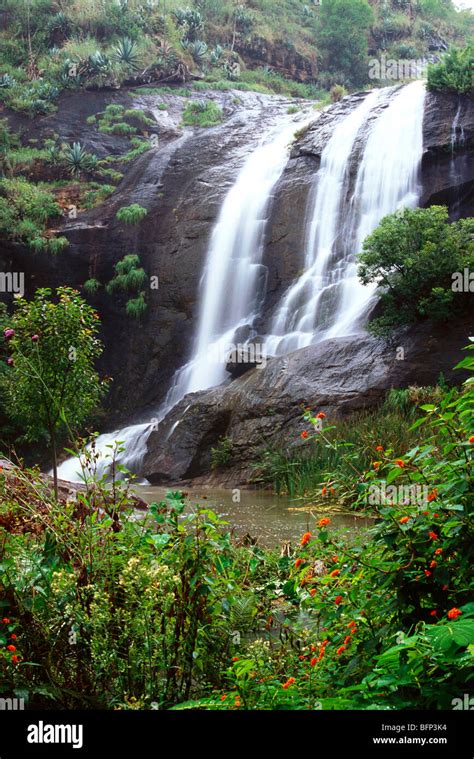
[[413, 256], [454, 72], [203, 114], [221, 455], [131, 215], [343, 38], [91, 286], [51, 386], [380, 622], [130, 277], [25, 210]]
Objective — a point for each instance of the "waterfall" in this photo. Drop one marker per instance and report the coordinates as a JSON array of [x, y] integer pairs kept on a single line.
[[328, 300], [232, 290], [387, 179], [455, 140], [297, 317]]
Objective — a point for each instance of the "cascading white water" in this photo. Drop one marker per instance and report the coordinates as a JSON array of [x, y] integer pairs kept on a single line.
[[455, 139], [296, 318], [232, 287], [328, 300], [233, 283], [387, 179]]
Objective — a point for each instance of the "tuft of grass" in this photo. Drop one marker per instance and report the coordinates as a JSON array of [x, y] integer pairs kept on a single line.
[[202, 114]]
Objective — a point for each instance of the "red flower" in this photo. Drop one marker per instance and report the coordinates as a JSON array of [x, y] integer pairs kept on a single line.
[[335, 573], [10, 362], [433, 613], [313, 661], [347, 639], [379, 448], [306, 538], [433, 535], [304, 434], [224, 696], [11, 648], [312, 592], [432, 564], [8, 333], [352, 624], [324, 491], [436, 516], [15, 659], [321, 415], [400, 463], [13, 637], [471, 439], [6, 621], [338, 600], [404, 520], [427, 573], [324, 521], [335, 559], [340, 650], [34, 338], [445, 587], [438, 551], [289, 682], [235, 658], [376, 464], [454, 613], [426, 513], [432, 495], [297, 563]]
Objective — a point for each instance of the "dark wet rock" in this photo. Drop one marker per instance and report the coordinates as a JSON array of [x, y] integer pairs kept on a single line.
[[264, 407]]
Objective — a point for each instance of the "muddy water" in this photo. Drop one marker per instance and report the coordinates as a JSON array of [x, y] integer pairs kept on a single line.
[[270, 518]]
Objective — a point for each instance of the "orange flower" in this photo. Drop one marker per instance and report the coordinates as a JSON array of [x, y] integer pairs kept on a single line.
[[338, 600], [433, 613], [312, 592], [335, 559], [324, 521], [297, 563], [404, 520], [352, 624], [335, 573], [432, 564], [471, 439], [304, 434], [306, 538], [235, 658], [376, 464], [400, 463], [324, 491], [332, 491], [347, 639], [427, 573], [438, 551], [426, 513], [340, 650], [321, 415], [379, 448], [224, 696], [313, 661], [289, 682], [432, 495], [454, 613], [433, 535], [15, 659]]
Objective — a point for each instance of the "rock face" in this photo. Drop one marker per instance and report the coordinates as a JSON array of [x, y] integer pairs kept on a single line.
[[182, 184], [264, 407]]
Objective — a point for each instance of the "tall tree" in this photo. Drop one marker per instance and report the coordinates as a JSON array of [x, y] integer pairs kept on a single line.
[[343, 38]]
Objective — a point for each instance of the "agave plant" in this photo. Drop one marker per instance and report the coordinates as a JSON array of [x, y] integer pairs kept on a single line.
[[126, 52], [7, 81], [197, 49], [99, 63], [77, 159], [216, 54]]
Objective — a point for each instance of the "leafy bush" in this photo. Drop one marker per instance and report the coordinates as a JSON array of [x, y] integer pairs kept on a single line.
[[202, 113], [337, 92], [132, 214], [221, 455], [25, 210], [454, 72], [413, 256], [91, 286]]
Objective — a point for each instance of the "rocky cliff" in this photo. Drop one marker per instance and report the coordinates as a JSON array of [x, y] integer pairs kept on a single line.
[[182, 183]]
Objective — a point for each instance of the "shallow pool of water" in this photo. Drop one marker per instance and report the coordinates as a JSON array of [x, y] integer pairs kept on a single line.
[[270, 518]]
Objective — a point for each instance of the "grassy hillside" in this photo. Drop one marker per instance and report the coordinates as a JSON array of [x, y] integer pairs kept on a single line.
[[50, 45]]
